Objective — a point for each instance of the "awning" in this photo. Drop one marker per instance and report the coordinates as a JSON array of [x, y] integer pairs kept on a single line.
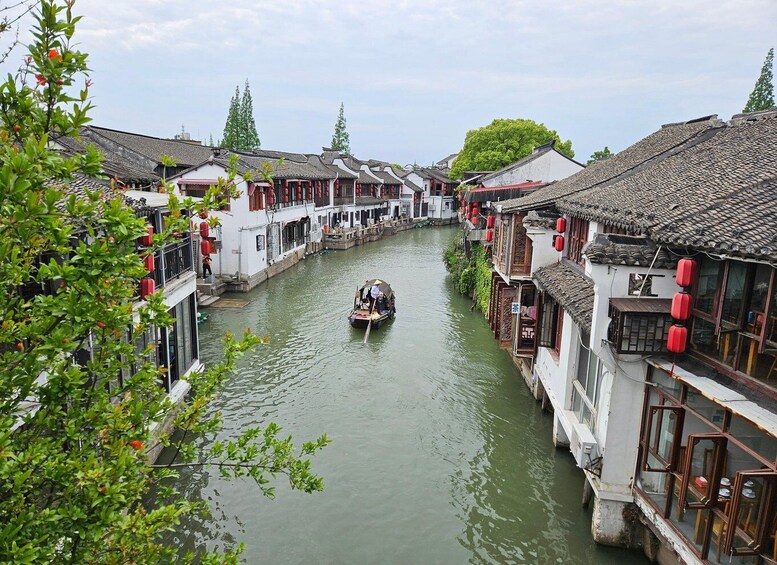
[[720, 394]]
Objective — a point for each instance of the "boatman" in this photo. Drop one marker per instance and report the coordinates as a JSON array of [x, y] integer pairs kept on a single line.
[[374, 292]]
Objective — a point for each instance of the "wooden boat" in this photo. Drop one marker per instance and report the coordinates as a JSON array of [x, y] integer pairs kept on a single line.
[[379, 304]]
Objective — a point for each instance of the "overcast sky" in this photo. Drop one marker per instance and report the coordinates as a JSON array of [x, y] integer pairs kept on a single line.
[[416, 76]]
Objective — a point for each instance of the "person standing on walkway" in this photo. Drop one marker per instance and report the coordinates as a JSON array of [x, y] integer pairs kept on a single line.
[[206, 270]]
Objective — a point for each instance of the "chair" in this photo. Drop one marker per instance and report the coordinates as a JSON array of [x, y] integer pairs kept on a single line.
[[719, 532]]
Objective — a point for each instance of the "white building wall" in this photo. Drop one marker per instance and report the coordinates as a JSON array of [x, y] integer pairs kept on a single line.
[[240, 227], [547, 167]]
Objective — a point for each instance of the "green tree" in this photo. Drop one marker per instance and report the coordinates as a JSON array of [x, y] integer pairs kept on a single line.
[[341, 141], [502, 142], [231, 136], [762, 97], [75, 482], [600, 155], [249, 138]]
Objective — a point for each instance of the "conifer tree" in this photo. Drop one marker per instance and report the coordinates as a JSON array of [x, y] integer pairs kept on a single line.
[[231, 136], [249, 138], [762, 97], [341, 140]]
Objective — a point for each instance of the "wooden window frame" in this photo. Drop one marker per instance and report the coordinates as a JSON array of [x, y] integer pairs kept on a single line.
[[761, 534], [708, 499], [256, 200], [578, 237], [650, 440], [548, 322]]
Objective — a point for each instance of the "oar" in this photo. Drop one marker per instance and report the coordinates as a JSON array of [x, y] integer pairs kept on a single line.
[[369, 324]]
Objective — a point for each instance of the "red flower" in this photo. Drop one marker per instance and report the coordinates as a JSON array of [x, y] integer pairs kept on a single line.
[[16, 127], [20, 346], [53, 54], [101, 325], [137, 444], [41, 80]]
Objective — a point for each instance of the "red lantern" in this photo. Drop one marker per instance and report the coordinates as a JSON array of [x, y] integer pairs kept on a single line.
[[145, 240], [558, 243], [204, 214], [299, 192], [490, 221], [205, 247], [489, 235], [148, 262], [326, 228], [561, 225], [271, 197], [678, 336], [681, 306], [204, 230], [686, 272], [147, 286]]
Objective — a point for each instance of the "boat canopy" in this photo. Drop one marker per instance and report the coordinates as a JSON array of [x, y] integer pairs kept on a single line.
[[384, 287]]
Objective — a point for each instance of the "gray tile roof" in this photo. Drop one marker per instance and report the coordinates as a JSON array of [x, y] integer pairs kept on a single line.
[[639, 251], [113, 164], [670, 138], [185, 153], [440, 175], [311, 168], [719, 195], [540, 219], [366, 178], [385, 177], [572, 290]]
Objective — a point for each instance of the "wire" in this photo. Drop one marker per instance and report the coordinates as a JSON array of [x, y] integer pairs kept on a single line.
[[650, 268]]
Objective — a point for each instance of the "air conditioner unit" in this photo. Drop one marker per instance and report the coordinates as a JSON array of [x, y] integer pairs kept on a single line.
[[583, 445]]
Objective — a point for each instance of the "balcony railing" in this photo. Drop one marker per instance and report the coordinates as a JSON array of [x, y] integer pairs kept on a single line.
[[343, 200], [177, 259]]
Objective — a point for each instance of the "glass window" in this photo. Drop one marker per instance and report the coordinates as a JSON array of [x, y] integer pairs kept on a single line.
[[661, 435], [669, 386], [752, 513], [706, 408], [549, 321], [707, 285], [733, 300], [756, 439], [763, 274]]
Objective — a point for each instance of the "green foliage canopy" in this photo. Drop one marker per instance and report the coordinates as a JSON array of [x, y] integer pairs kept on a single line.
[[502, 142], [762, 97], [76, 484], [600, 155]]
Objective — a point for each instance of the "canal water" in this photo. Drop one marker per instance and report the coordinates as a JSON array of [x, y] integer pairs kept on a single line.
[[438, 453]]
